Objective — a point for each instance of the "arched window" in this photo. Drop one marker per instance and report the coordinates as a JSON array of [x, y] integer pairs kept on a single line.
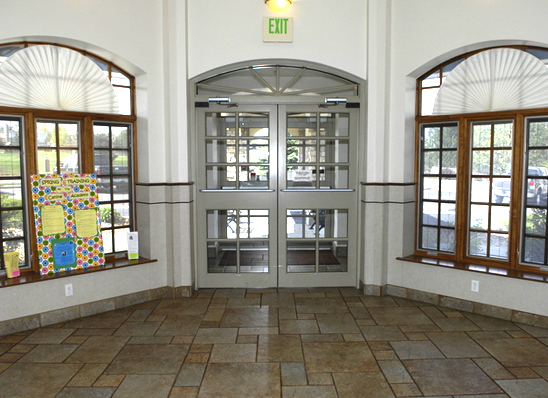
[[63, 110], [483, 160]]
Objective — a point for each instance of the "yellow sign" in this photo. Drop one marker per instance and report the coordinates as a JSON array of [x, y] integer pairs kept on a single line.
[[79, 195], [277, 30], [50, 182], [78, 181], [53, 219], [55, 197]]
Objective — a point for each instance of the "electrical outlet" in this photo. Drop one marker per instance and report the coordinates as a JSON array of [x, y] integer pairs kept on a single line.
[[475, 286], [68, 289]]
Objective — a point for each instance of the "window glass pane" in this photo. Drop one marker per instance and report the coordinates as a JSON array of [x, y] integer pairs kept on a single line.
[[334, 124], [431, 162], [301, 256], [253, 124], [481, 134], [119, 78], [447, 214], [449, 162], [538, 133], [501, 190], [301, 223], [302, 125], [431, 188], [332, 256], [430, 213], [120, 137], [432, 80], [477, 245], [481, 162], [10, 162], [123, 96], [448, 188], [535, 223], [479, 217], [431, 137], [447, 240], [450, 137], [45, 134], [334, 151], [221, 124], [120, 239], [253, 177], [429, 238], [301, 177], [221, 177], [253, 151], [222, 257], [499, 246], [254, 256], [535, 250], [101, 136], [301, 151], [502, 162], [221, 151], [253, 225], [68, 135], [334, 177], [221, 224], [500, 218]]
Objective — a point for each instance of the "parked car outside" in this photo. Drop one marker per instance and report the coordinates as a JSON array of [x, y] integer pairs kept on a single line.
[[537, 185]]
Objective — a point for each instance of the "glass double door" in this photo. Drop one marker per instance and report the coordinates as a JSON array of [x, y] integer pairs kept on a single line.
[[276, 202]]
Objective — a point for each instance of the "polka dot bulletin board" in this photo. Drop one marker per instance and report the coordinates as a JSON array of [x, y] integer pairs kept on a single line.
[[67, 222]]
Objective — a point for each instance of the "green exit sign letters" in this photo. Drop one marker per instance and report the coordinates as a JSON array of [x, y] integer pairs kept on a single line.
[[277, 30]]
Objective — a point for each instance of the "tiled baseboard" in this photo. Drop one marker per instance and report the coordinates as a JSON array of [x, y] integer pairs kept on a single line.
[[458, 304], [78, 311]]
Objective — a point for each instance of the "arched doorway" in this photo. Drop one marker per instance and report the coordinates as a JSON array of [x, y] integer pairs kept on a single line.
[[276, 176]]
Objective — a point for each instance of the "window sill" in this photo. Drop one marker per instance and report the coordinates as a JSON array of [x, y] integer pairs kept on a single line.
[[536, 276], [31, 277]]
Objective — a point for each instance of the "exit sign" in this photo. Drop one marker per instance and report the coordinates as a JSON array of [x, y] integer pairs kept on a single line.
[[277, 30]]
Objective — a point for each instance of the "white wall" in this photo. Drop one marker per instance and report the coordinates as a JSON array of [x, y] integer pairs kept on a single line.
[[329, 32]]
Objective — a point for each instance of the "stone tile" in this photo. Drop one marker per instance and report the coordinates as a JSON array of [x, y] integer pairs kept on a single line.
[[337, 323], [320, 379], [399, 316], [320, 305], [139, 315], [542, 371], [321, 338], [257, 331], [87, 375], [407, 390], [148, 359], [524, 388], [227, 353], [353, 337], [247, 339], [191, 375], [249, 317], [106, 320], [534, 331], [35, 380], [184, 392], [287, 313], [419, 328], [150, 340], [216, 336], [373, 301], [179, 325], [416, 336], [197, 357], [279, 348], [457, 345], [48, 336], [98, 349], [19, 348], [182, 306], [493, 368], [86, 392], [94, 332], [371, 385], [214, 314], [517, 352], [309, 391], [382, 333], [488, 323], [278, 300], [138, 329], [225, 293], [297, 326], [250, 380], [49, 353], [416, 349], [450, 377], [385, 355], [432, 312], [524, 373], [109, 381], [360, 313], [145, 386], [339, 357], [496, 334], [243, 302], [395, 372], [4, 366], [293, 374], [455, 324]]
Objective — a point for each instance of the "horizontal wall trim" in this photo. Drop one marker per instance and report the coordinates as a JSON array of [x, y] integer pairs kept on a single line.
[[387, 202], [162, 184], [164, 203], [387, 184]]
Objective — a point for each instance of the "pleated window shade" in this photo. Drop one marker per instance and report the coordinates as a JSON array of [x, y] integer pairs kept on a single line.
[[494, 80], [56, 78]]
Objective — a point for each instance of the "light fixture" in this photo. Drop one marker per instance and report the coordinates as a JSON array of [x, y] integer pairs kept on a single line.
[[278, 5]]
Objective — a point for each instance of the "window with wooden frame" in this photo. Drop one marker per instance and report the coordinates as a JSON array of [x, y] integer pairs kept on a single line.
[[63, 110], [482, 164]]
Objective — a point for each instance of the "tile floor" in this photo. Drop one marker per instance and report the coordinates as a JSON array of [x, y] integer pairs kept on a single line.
[[278, 343]]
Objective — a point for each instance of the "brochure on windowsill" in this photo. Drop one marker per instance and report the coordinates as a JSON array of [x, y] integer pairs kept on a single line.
[[133, 245]]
